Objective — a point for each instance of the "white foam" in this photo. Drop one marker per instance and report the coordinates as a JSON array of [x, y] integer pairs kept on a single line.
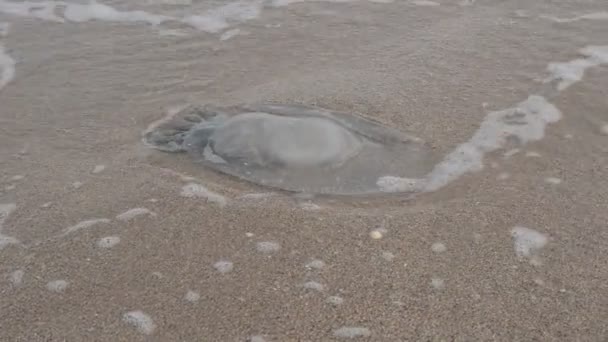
[[256, 338], [526, 122], [193, 190], [133, 213], [309, 206], [108, 241], [223, 266], [604, 129], [17, 177], [99, 168], [4, 28], [568, 73], [589, 16], [44, 10], [84, 225], [5, 210], [503, 176], [57, 285], [313, 285], [230, 34], [7, 68], [16, 278], [352, 332], [267, 247], [97, 11], [425, 3], [282, 3], [257, 196], [437, 283], [527, 242], [141, 321], [315, 264], [511, 152], [553, 180], [192, 296], [438, 247], [220, 18], [533, 154], [77, 185], [377, 234], [335, 300], [388, 256]]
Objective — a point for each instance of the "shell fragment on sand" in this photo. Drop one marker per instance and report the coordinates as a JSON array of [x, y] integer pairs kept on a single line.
[[293, 147]]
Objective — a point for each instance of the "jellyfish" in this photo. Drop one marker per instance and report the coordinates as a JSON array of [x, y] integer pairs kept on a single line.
[[293, 147]]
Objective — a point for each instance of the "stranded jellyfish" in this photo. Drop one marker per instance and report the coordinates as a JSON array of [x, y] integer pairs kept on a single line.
[[292, 147]]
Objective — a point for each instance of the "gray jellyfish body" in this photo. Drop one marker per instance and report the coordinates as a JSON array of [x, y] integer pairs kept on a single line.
[[294, 148]]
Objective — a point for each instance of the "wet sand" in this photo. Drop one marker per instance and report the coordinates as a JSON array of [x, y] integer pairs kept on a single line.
[[108, 240]]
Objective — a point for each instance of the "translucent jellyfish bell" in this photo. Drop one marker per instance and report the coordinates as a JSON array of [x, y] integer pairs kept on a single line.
[[294, 148]]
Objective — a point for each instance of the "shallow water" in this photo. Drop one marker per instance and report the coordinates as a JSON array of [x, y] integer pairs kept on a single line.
[[103, 238]]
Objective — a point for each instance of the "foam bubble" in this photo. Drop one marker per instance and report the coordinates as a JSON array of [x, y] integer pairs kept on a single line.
[[193, 190], [589, 16], [438, 247], [218, 19], [99, 168], [527, 242], [57, 286], [77, 185], [44, 10], [553, 180], [604, 129], [4, 28], [388, 256], [568, 73], [16, 278], [503, 176], [192, 296], [267, 247], [84, 225], [352, 332], [97, 11], [533, 154], [257, 196], [5, 210], [309, 206], [511, 152], [282, 3], [335, 300], [313, 285], [17, 178], [223, 266], [315, 264], [229, 34], [425, 3], [141, 321], [437, 283], [7, 68], [133, 213], [108, 242], [377, 234], [256, 338]]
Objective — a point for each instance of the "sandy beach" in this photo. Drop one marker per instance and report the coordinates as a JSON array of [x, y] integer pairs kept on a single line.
[[105, 239]]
